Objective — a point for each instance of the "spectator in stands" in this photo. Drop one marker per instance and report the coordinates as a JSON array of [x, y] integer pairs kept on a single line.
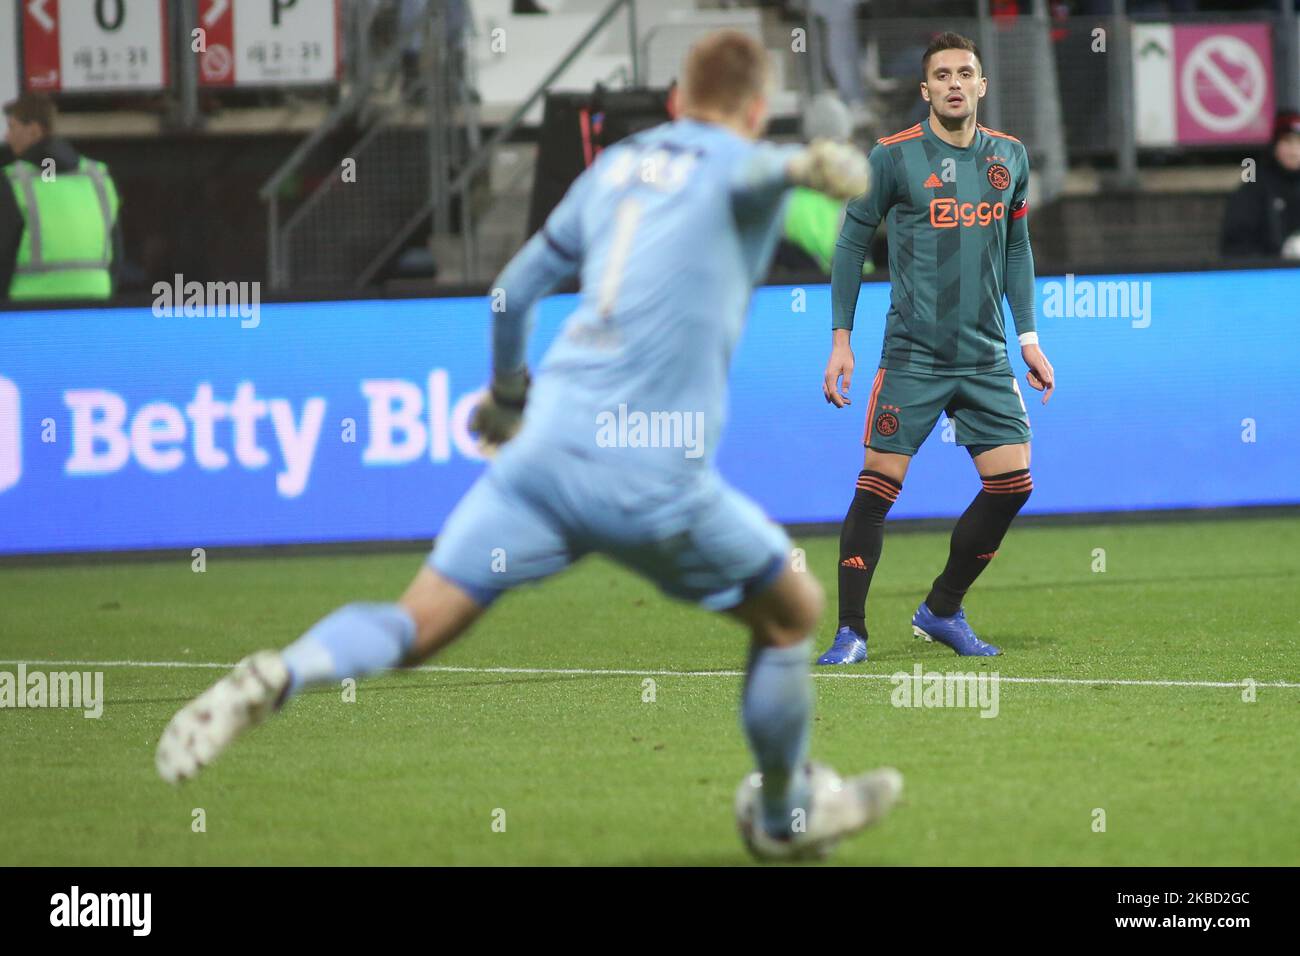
[[410, 24], [59, 232], [1139, 7], [1263, 217], [812, 219], [458, 22], [839, 23]]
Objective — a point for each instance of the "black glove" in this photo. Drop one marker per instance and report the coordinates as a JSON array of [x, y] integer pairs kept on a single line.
[[498, 417]]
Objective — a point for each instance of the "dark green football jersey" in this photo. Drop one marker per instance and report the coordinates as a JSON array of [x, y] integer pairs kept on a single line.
[[957, 229]]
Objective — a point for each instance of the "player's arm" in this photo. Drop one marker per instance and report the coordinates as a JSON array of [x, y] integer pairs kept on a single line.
[[550, 258], [1020, 287], [862, 217]]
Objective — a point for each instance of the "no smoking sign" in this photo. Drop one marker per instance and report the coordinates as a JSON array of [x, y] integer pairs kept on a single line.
[[1225, 91]]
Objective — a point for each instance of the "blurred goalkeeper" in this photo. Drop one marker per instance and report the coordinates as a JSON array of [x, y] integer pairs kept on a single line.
[[610, 449]]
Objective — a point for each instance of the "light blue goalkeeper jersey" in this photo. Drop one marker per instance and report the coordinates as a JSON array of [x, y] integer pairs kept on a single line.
[[668, 232]]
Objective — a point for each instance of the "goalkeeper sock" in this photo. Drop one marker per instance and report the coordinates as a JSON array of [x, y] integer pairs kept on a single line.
[[354, 641], [861, 538], [776, 711], [977, 537]]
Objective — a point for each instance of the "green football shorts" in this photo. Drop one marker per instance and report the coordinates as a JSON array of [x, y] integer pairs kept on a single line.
[[987, 410]]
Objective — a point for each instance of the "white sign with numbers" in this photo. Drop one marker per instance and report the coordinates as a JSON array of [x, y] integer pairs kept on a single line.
[[270, 42], [8, 50], [111, 44]]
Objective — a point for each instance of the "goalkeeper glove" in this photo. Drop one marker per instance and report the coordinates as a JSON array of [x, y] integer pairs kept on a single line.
[[836, 169], [498, 417]]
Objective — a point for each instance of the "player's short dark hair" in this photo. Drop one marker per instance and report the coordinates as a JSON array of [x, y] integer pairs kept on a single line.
[[949, 41], [32, 108], [723, 70]]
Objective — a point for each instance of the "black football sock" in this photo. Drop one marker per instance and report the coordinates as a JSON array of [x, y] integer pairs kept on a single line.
[[977, 537], [861, 538]]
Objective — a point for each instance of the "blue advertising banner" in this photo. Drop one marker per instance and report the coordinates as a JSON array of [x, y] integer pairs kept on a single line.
[[345, 421]]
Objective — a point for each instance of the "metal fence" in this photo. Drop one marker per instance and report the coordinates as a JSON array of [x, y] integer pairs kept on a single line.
[[1065, 83]]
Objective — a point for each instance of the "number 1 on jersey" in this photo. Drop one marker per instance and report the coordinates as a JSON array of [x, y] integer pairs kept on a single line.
[[626, 218]]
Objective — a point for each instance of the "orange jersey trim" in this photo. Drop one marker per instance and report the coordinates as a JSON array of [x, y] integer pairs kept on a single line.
[[910, 133], [998, 133]]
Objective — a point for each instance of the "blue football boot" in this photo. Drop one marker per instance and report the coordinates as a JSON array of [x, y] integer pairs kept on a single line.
[[952, 631], [850, 647]]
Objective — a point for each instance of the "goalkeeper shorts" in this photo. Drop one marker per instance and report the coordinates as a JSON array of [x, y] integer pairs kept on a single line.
[[540, 507]]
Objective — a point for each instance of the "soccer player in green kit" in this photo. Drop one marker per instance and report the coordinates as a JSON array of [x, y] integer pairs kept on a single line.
[[956, 194]]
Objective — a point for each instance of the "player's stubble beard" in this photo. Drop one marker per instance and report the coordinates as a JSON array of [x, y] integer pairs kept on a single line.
[[962, 119], [954, 124]]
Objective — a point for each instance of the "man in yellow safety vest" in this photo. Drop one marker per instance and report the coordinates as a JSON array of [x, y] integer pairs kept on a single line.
[[59, 231]]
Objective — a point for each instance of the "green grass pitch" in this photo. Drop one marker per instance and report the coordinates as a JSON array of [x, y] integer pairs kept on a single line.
[[581, 769]]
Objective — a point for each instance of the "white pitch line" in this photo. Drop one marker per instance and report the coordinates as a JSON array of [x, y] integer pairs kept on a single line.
[[589, 672]]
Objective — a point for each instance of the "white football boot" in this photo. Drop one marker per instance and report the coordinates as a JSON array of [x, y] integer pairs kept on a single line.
[[839, 808], [207, 725]]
